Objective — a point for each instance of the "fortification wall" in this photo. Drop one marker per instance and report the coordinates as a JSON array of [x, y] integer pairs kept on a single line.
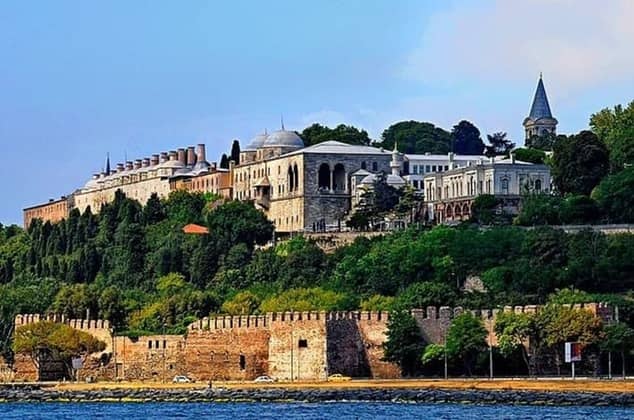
[[148, 358], [355, 344], [297, 346]]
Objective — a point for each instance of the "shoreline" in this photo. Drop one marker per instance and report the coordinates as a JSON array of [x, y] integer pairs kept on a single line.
[[567, 393]]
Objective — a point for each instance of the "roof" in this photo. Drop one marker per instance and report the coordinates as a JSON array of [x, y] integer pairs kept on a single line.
[[257, 142], [540, 107], [195, 229], [337, 147], [361, 172], [283, 138], [444, 157]]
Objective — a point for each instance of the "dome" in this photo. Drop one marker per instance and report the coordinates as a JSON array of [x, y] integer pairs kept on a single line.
[[257, 141], [283, 138], [369, 180], [394, 181]]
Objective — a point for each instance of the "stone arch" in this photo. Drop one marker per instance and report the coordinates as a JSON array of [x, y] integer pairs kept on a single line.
[[296, 175], [465, 210], [449, 211], [339, 177], [457, 211], [323, 179], [538, 185]]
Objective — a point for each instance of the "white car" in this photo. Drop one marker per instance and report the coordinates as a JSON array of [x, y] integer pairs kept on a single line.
[[264, 379], [181, 379]]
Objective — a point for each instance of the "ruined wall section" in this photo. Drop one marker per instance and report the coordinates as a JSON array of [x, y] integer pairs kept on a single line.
[[298, 346], [148, 358], [227, 348]]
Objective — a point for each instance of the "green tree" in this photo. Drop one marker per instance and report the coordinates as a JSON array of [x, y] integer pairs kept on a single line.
[[416, 137], [377, 303], [224, 161], [540, 209], [536, 156], [307, 299], [74, 301], [466, 338], [579, 163], [404, 343], [243, 303], [466, 139], [619, 338], [60, 340], [544, 142], [235, 152], [579, 209], [424, 294], [498, 144], [153, 211], [513, 332], [615, 196], [483, 209], [239, 222], [318, 133], [616, 128]]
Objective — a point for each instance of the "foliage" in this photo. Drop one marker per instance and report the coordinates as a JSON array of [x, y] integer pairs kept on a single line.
[[483, 209], [616, 128], [61, 340], [615, 198], [416, 137], [235, 152], [377, 303], [539, 209], [544, 142], [531, 155], [466, 339], [424, 294], [466, 139], [403, 344], [242, 303], [579, 163], [498, 145], [303, 299], [513, 330], [318, 133], [433, 353]]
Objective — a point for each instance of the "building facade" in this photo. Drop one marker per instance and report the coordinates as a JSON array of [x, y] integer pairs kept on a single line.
[[53, 211], [449, 195]]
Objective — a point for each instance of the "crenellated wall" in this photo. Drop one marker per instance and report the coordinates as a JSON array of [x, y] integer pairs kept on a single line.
[[285, 345]]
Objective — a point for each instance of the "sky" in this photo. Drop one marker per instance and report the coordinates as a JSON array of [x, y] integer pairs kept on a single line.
[[79, 80]]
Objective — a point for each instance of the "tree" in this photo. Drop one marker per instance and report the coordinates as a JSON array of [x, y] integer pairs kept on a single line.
[[237, 221], [243, 303], [466, 139], [483, 209], [307, 299], [579, 209], [183, 207], [318, 133], [466, 338], [235, 152], [58, 340], [424, 294], [579, 163], [615, 196], [404, 343], [539, 209], [74, 301], [530, 155], [498, 144], [616, 128], [416, 137], [153, 212], [619, 338], [224, 161], [544, 142], [513, 331]]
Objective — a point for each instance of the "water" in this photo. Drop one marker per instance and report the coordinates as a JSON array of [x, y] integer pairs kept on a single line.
[[304, 411]]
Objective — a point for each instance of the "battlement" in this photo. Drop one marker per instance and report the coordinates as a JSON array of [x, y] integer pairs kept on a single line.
[[80, 324], [229, 322]]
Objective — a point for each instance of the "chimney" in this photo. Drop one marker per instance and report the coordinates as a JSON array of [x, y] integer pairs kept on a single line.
[[214, 166], [451, 163], [137, 163], [120, 167], [128, 165], [146, 162], [95, 176], [512, 154], [163, 157], [191, 156], [181, 156], [155, 160], [200, 155], [173, 155]]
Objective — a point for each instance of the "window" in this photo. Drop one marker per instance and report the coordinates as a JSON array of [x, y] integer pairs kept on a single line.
[[538, 185], [505, 186], [243, 362], [363, 165], [302, 343], [164, 344], [149, 344], [415, 169], [375, 166], [427, 168], [434, 168], [446, 167]]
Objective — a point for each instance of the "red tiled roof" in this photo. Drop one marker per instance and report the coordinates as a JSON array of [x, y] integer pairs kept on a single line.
[[195, 229]]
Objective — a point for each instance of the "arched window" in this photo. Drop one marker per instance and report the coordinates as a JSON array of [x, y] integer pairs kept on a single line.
[[296, 174], [324, 176], [364, 165], [290, 179], [375, 166], [538, 185], [339, 182]]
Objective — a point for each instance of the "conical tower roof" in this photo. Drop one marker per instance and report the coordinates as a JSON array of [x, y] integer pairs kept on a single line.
[[540, 107]]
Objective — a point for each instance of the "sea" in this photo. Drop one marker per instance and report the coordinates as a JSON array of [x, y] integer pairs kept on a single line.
[[303, 411]]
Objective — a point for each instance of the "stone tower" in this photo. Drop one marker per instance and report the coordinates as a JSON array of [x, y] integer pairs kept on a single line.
[[540, 120]]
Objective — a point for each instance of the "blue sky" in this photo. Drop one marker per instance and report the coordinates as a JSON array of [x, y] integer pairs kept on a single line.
[[81, 79]]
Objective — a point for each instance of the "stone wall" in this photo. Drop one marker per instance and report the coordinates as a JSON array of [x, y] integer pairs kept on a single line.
[[148, 358], [297, 347]]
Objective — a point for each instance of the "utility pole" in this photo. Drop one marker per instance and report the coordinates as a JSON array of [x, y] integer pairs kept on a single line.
[[490, 350]]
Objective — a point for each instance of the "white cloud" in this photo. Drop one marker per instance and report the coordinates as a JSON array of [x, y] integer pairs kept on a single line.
[[576, 43]]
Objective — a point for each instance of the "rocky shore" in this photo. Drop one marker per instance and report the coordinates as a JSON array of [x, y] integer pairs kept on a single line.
[[38, 394]]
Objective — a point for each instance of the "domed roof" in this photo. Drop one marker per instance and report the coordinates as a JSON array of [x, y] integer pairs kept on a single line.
[[368, 180], [394, 181], [283, 138], [257, 141]]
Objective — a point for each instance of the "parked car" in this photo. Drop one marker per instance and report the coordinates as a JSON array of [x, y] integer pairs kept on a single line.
[[338, 377], [264, 379], [181, 379]]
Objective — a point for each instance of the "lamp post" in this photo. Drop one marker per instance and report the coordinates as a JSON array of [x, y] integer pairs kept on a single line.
[[490, 350], [445, 347], [164, 345]]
